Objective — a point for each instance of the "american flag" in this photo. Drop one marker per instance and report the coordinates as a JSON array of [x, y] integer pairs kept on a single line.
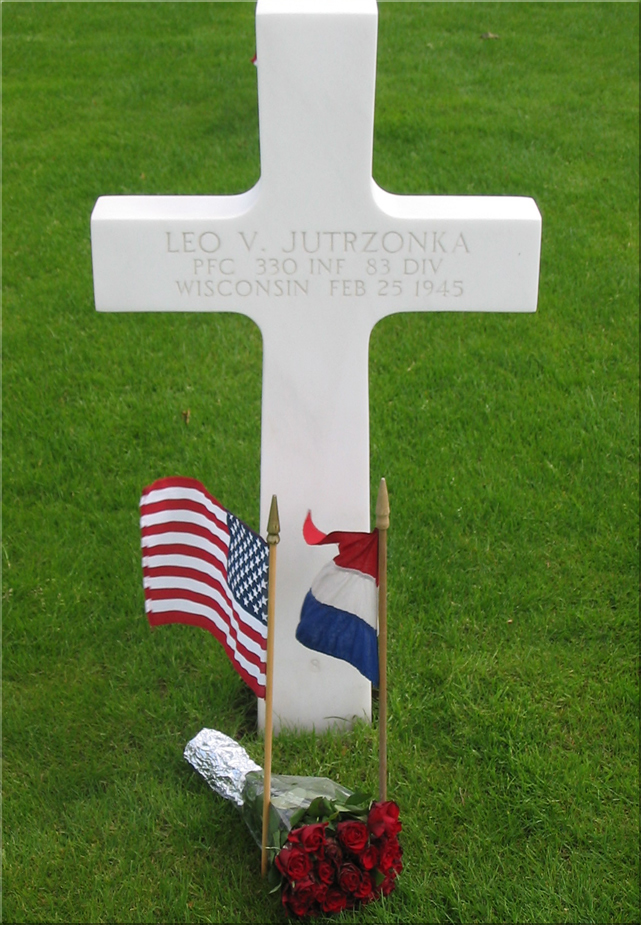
[[204, 567]]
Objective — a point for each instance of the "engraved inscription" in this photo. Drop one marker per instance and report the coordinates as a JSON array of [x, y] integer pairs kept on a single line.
[[419, 266], [188, 242]]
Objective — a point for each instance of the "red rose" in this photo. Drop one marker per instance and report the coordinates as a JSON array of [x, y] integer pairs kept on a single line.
[[312, 837], [335, 900], [365, 887], [321, 892], [369, 857], [349, 878], [353, 835], [293, 862], [388, 883], [325, 870], [305, 887], [383, 819], [389, 852], [297, 903], [332, 852]]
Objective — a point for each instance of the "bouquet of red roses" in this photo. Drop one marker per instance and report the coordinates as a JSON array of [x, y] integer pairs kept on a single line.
[[330, 849], [338, 855]]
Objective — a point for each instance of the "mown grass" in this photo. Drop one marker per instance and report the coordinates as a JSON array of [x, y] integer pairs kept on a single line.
[[509, 445]]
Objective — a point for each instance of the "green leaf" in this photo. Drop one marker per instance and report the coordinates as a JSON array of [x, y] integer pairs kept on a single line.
[[359, 801], [298, 816], [274, 879], [319, 809]]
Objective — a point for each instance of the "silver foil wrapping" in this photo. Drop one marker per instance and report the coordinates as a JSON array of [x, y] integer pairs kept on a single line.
[[222, 762], [230, 771]]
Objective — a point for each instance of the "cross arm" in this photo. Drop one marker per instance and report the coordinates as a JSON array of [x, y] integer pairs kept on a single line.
[[458, 253], [149, 252]]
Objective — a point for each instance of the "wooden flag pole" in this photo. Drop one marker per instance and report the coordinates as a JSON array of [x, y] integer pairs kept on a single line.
[[273, 538], [382, 525]]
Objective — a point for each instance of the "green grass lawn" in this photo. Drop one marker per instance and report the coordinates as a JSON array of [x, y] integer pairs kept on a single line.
[[509, 443]]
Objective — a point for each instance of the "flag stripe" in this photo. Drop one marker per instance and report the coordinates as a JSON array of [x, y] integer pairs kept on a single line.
[[165, 553], [180, 576], [166, 557], [151, 508], [357, 551], [348, 590], [181, 586], [340, 634], [186, 525], [203, 567], [248, 671], [178, 488], [164, 599], [198, 545], [191, 514]]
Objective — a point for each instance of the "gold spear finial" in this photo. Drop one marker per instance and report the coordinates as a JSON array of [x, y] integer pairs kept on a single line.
[[273, 523], [382, 506]]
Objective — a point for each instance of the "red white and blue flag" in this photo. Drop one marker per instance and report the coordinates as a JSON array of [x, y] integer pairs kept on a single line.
[[204, 567], [339, 613]]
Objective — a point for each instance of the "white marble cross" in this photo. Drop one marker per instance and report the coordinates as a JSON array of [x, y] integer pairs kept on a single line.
[[316, 253]]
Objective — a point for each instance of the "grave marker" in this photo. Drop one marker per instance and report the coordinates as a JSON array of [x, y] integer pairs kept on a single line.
[[316, 253]]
